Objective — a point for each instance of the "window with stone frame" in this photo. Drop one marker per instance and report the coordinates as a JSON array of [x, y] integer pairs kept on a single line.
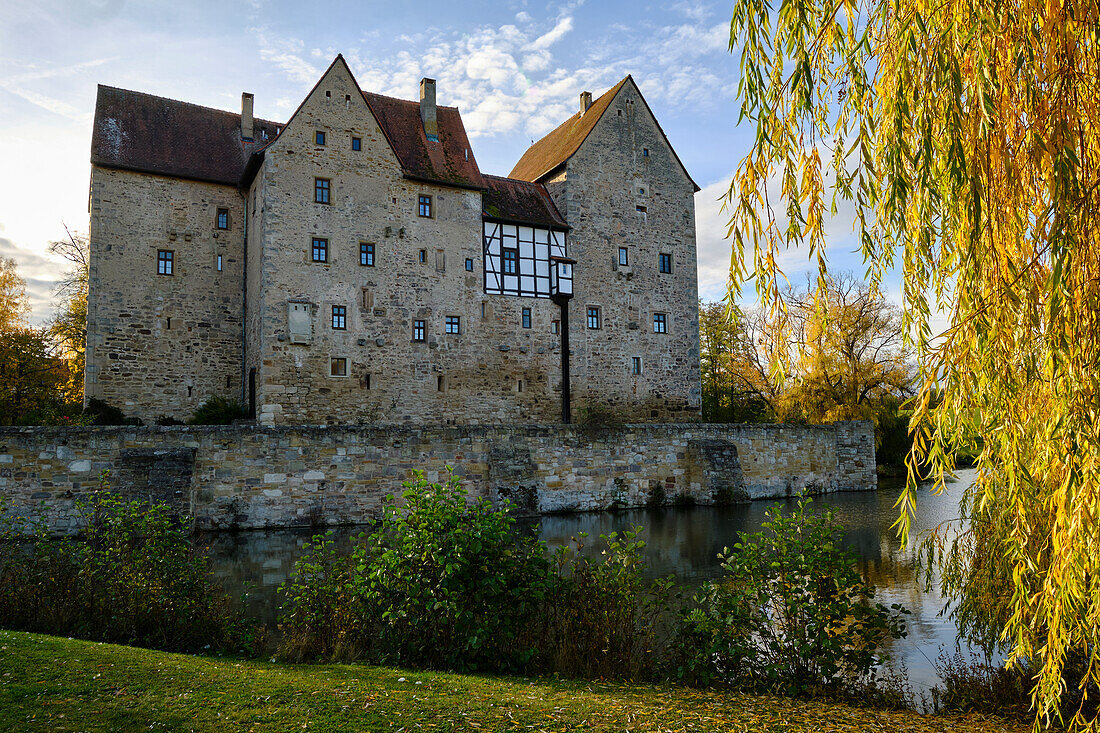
[[338, 366], [320, 249], [418, 331], [452, 324], [366, 254], [624, 259], [222, 219], [322, 187], [166, 260], [339, 317], [664, 262], [660, 323], [424, 206], [636, 366], [319, 137], [593, 314]]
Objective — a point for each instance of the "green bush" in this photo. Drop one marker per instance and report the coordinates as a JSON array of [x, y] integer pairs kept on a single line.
[[444, 582], [791, 615], [218, 411], [134, 577]]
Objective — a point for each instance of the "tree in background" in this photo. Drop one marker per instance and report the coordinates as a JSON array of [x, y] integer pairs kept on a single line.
[[737, 385], [13, 297], [966, 135], [70, 321]]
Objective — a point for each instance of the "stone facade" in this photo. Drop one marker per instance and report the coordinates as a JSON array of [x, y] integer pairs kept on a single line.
[[254, 477], [231, 329]]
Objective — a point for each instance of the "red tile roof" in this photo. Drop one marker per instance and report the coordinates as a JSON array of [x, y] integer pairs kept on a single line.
[[559, 144], [142, 132], [521, 202], [450, 160]]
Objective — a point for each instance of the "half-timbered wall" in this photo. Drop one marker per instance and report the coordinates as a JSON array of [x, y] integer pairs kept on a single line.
[[517, 258]]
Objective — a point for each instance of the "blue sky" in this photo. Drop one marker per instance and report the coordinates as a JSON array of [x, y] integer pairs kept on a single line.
[[515, 69]]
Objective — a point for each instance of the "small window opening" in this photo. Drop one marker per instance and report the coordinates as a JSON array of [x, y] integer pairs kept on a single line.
[[189, 390], [620, 112], [636, 366], [645, 152], [526, 318], [168, 323], [423, 256], [664, 262], [228, 383], [469, 265], [418, 330], [219, 263], [439, 383], [519, 385], [338, 366], [623, 257], [555, 326], [319, 138], [366, 381], [223, 219], [356, 143], [452, 324], [593, 317], [328, 92]]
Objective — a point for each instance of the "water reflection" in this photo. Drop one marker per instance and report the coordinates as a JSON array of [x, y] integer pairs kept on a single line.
[[684, 542]]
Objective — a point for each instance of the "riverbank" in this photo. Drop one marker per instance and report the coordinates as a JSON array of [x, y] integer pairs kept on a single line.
[[54, 684]]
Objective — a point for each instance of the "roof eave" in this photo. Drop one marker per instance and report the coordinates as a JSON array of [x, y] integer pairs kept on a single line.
[[448, 184], [526, 223]]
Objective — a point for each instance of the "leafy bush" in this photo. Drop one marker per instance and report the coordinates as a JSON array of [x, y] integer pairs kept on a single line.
[[602, 618], [135, 577], [974, 684], [443, 583], [102, 413], [792, 615], [218, 411]]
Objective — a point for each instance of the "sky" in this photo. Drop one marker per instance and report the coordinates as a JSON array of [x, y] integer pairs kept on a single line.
[[514, 69]]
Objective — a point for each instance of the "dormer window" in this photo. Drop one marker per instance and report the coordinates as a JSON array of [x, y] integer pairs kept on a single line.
[[319, 137]]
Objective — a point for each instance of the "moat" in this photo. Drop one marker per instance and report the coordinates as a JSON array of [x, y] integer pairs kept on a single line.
[[683, 542]]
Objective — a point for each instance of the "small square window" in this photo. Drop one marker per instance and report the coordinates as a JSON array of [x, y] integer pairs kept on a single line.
[[664, 262], [660, 323], [339, 318], [320, 250], [418, 330], [636, 366], [469, 265], [511, 261], [338, 366], [453, 324], [425, 206], [165, 261], [366, 254], [623, 256], [422, 256], [319, 138], [223, 219], [321, 187], [593, 317], [526, 318], [356, 143]]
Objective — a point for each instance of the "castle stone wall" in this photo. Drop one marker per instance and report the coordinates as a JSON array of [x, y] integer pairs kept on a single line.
[[254, 477]]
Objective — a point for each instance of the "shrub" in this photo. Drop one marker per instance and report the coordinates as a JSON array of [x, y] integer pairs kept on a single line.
[[135, 577], [218, 411], [102, 413], [443, 583], [792, 615], [973, 684]]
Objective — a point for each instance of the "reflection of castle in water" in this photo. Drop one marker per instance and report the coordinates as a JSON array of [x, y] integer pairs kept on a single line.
[[684, 542]]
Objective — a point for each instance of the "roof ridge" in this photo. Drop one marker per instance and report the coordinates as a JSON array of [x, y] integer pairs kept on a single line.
[[184, 102], [364, 92]]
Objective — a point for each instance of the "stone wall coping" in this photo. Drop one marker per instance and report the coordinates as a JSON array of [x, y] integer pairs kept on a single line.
[[14, 431]]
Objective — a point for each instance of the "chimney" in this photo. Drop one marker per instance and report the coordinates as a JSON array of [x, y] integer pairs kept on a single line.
[[586, 102], [246, 115], [427, 108]]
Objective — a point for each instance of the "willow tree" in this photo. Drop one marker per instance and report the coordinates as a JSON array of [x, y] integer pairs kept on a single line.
[[965, 135]]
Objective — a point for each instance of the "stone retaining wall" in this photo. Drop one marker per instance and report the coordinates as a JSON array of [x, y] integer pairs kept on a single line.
[[252, 477]]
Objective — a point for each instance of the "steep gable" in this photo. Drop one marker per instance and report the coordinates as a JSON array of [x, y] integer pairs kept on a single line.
[[559, 145]]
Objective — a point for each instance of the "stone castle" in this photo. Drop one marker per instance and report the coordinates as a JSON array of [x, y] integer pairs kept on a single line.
[[354, 265]]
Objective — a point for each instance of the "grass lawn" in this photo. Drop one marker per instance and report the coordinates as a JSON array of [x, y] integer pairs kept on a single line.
[[54, 684]]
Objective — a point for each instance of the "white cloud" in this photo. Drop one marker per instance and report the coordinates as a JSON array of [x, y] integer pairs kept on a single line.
[[286, 54], [553, 35]]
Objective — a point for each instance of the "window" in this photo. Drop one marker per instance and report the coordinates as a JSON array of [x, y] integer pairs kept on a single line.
[[366, 381], [641, 211], [425, 206], [339, 318], [555, 326], [519, 385], [526, 318], [418, 330], [453, 324], [320, 250], [338, 366], [469, 265], [366, 254], [165, 260], [439, 384], [321, 190], [423, 256], [645, 152], [356, 143], [623, 256], [636, 366], [511, 261], [660, 323], [664, 262], [223, 219], [319, 138], [593, 317], [219, 263]]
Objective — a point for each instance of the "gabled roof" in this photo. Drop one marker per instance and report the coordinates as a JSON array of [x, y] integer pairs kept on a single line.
[[450, 161], [520, 202], [142, 132], [559, 145]]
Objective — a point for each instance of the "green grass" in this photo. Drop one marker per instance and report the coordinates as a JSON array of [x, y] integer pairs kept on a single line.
[[54, 684]]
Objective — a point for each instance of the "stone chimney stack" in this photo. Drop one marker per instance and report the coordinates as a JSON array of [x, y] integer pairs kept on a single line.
[[246, 115], [586, 102], [427, 109]]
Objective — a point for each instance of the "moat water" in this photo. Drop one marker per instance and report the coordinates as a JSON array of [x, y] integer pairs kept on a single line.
[[684, 542]]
